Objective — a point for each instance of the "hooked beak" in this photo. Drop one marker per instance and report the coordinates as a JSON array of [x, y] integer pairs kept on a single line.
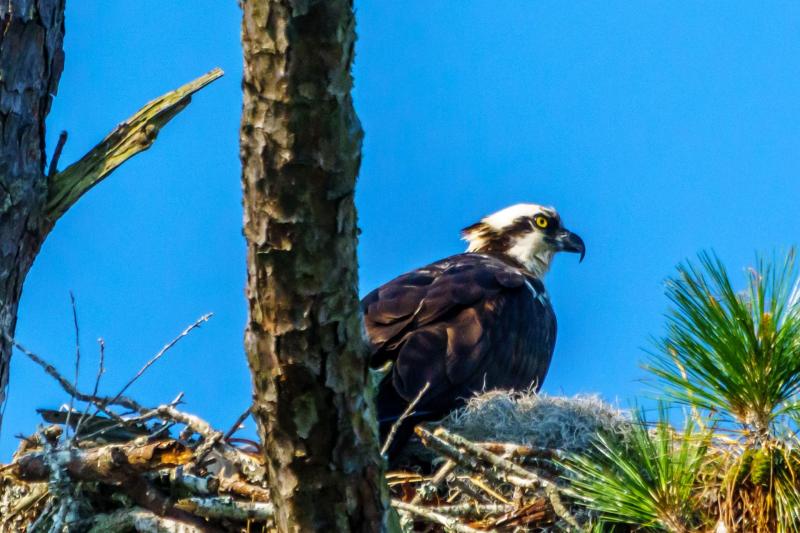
[[566, 241]]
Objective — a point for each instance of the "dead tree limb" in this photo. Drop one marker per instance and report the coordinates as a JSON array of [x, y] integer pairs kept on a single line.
[[133, 136]]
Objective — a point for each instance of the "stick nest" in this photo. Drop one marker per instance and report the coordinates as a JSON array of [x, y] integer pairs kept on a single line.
[[493, 465], [112, 464]]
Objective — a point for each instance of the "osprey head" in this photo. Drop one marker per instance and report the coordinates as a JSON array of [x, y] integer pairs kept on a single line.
[[529, 233]]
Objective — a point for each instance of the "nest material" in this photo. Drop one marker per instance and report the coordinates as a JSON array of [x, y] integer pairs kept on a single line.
[[146, 484], [495, 469], [496, 464], [568, 424], [125, 468]]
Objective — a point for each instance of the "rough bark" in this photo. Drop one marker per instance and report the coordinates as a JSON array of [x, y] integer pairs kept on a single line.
[[31, 60], [301, 149]]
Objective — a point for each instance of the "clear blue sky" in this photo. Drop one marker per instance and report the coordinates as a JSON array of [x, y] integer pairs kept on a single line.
[[657, 129]]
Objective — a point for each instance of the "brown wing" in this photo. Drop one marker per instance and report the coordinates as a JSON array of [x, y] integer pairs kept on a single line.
[[469, 321]]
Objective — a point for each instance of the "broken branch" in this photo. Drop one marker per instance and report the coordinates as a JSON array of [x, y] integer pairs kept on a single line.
[[126, 140]]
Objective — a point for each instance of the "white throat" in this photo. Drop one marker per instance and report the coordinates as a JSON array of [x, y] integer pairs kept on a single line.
[[533, 252], [529, 249]]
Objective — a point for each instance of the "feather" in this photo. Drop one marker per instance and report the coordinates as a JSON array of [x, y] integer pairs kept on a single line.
[[462, 324]]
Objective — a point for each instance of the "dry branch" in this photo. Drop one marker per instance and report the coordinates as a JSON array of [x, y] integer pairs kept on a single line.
[[110, 464], [487, 486], [448, 522], [128, 139], [399, 422], [226, 507], [142, 521]]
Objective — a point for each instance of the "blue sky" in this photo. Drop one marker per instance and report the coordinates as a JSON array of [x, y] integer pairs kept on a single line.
[[657, 129]]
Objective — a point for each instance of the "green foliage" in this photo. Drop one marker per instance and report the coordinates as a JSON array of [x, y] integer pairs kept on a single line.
[[650, 479], [735, 356], [734, 353]]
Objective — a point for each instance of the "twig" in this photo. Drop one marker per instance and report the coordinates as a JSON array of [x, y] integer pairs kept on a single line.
[[406, 414], [465, 486], [77, 362], [100, 402], [478, 482], [435, 481], [37, 492], [202, 486], [161, 352], [242, 488], [101, 369], [495, 460], [448, 522], [148, 414], [235, 427], [62, 140], [510, 450], [473, 510], [446, 449]]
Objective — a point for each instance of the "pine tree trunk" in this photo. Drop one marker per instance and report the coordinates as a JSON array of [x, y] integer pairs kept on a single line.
[[31, 60], [301, 149]]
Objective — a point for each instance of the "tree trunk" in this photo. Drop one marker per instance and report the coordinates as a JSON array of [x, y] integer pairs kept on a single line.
[[301, 149], [31, 60]]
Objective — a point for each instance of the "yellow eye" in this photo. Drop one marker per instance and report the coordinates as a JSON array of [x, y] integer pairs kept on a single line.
[[541, 221]]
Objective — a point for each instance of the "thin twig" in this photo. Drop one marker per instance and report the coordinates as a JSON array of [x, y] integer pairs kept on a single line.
[[408, 412], [140, 419], [100, 402], [435, 481], [235, 427], [77, 363], [161, 352], [101, 369], [62, 140], [138, 519]]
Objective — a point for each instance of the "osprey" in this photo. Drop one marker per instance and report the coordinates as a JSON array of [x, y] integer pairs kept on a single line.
[[475, 321]]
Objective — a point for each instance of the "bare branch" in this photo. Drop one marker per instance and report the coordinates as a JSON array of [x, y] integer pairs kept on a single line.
[[100, 371], [236, 425], [101, 402], [111, 463], [510, 471], [161, 352], [226, 507], [128, 139], [77, 363], [409, 410], [450, 523], [62, 140], [141, 520]]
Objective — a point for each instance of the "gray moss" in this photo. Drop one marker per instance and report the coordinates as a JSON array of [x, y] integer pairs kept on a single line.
[[539, 420]]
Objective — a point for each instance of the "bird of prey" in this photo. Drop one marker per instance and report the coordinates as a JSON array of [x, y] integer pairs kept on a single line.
[[475, 321]]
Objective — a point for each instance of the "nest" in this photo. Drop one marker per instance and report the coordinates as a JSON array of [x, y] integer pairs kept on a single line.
[[496, 464], [491, 466], [129, 476], [116, 465]]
